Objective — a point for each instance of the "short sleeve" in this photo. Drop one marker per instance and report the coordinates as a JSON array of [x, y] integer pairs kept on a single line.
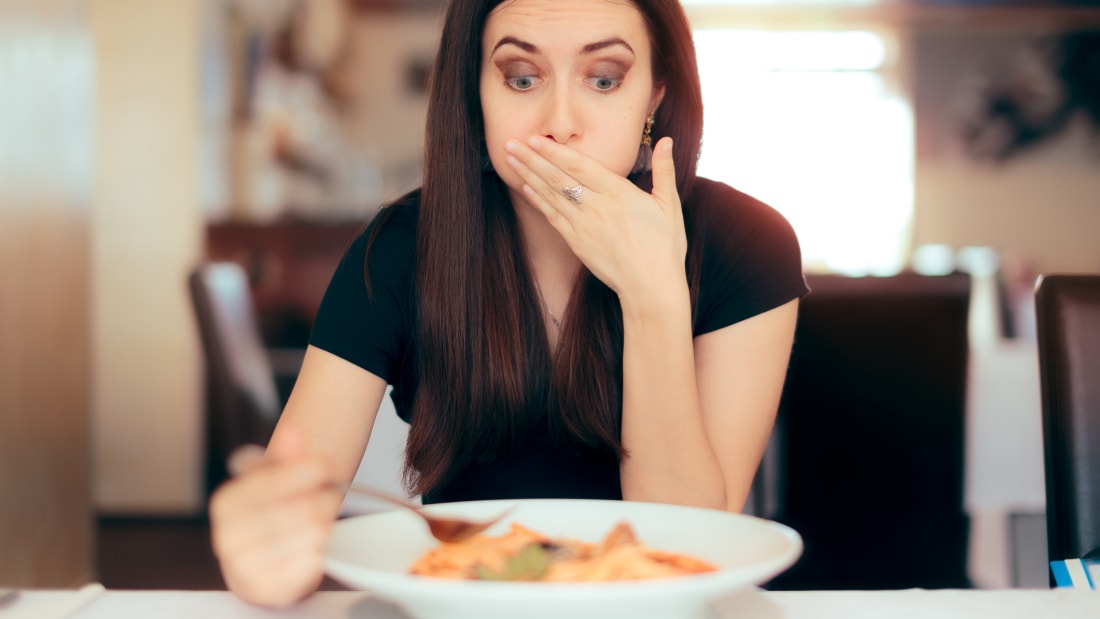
[[751, 259], [371, 328]]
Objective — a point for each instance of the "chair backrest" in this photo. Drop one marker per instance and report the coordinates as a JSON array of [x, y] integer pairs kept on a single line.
[[1067, 312], [868, 446], [242, 399]]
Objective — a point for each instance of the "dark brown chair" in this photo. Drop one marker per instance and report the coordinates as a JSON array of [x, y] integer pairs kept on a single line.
[[867, 457], [243, 404], [1067, 312]]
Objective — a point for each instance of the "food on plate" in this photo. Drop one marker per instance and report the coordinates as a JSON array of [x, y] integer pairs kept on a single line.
[[524, 554]]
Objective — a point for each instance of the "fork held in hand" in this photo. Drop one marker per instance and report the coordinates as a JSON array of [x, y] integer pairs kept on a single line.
[[443, 528]]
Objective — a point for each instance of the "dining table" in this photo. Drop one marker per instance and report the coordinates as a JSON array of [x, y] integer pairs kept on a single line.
[[95, 602]]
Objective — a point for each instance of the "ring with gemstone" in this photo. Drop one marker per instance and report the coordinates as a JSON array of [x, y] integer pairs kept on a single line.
[[573, 193]]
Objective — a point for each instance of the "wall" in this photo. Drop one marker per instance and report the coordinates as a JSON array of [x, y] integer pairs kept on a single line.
[[1047, 214], [45, 199], [1044, 206], [145, 236], [357, 116], [386, 49]]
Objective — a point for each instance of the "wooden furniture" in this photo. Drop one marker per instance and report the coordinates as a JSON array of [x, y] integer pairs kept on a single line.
[[289, 264]]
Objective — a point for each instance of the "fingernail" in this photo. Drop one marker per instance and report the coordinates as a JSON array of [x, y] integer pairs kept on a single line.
[[511, 146], [534, 141], [512, 161], [666, 146]]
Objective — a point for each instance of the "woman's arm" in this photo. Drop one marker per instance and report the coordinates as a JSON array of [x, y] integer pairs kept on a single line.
[[269, 524], [741, 370], [334, 403], [668, 456], [697, 415]]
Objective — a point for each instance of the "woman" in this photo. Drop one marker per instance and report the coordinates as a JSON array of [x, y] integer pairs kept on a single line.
[[557, 319]]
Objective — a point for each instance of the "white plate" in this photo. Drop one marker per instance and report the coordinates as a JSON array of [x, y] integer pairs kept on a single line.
[[374, 553]]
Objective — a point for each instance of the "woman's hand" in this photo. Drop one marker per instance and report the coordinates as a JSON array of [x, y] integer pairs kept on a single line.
[[269, 523], [632, 240]]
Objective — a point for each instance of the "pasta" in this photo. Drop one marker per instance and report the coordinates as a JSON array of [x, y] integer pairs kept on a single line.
[[523, 554]]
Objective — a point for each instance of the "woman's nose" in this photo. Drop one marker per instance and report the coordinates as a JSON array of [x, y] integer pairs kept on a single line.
[[561, 120]]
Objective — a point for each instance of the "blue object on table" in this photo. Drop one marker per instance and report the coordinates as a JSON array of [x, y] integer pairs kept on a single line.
[[1075, 573]]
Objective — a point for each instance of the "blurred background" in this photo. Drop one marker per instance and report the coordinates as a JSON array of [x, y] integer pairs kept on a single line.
[[139, 138]]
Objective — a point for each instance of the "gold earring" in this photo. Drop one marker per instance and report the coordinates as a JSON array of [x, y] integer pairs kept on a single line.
[[644, 161]]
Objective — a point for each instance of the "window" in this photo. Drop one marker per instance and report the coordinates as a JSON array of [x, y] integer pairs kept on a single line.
[[812, 123]]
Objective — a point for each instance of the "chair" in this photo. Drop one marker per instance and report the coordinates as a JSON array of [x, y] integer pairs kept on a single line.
[[243, 403], [867, 455], [1067, 312]]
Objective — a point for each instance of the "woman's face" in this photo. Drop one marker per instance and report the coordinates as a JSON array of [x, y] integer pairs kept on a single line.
[[575, 71]]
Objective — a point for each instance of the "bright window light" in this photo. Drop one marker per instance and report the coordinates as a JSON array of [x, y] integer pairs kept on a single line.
[[781, 3], [805, 122], [770, 50]]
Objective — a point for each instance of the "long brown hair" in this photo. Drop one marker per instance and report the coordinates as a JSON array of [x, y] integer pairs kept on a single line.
[[484, 367]]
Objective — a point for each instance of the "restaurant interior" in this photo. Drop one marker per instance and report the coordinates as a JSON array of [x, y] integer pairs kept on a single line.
[[935, 157]]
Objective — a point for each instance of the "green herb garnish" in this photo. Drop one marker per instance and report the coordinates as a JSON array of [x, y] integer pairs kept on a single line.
[[530, 563]]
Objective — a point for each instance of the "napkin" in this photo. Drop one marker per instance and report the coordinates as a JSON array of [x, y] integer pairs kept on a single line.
[[53, 604]]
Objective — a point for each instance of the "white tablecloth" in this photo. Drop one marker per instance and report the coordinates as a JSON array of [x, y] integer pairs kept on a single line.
[[905, 604]]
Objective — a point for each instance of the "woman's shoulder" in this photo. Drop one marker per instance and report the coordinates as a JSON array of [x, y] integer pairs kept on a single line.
[[391, 231], [398, 218], [365, 313], [718, 208], [751, 260], [721, 201]]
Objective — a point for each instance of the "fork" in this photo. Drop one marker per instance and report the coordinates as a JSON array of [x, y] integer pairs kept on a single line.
[[445, 529]]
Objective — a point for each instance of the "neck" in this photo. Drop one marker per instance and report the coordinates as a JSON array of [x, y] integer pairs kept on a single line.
[[553, 265], [552, 262]]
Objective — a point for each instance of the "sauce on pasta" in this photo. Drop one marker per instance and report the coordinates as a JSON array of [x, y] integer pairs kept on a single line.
[[523, 554]]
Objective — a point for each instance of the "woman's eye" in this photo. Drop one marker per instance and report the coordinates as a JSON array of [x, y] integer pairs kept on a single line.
[[605, 83], [522, 82]]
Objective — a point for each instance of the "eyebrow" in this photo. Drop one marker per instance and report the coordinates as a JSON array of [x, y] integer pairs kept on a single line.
[[531, 48]]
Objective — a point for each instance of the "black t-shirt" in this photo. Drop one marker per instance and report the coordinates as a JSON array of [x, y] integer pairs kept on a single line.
[[751, 263]]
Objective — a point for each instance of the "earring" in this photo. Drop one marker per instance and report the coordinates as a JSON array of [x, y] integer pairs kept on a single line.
[[644, 162]]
